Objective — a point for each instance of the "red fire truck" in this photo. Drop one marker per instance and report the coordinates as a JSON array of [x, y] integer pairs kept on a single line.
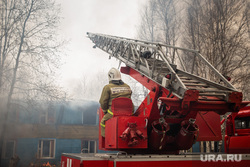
[[181, 108], [237, 138]]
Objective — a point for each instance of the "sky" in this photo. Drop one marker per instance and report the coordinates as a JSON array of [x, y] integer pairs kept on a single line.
[[113, 17]]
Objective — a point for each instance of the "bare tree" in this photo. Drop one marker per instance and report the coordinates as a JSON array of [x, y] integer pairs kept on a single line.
[[219, 30], [29, 52], [88, 88], [160, 22], [168, 21], [147, 27]]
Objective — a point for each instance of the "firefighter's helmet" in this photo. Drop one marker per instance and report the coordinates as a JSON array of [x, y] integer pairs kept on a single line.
[[114, 74]]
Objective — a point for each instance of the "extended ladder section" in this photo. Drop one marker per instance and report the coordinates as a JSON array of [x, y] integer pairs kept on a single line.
[[177, 69]]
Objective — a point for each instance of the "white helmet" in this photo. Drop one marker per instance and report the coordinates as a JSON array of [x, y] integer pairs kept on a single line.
[[114, 74]]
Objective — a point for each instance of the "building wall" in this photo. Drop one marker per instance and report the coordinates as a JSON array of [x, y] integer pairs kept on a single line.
[[16, 131], [67, 124], [27, 150], [67, 146]]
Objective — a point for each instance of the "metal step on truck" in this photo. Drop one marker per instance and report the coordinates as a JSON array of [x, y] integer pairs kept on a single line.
[[181, 108]]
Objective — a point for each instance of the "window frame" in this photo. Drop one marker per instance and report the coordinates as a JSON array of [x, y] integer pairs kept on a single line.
[[239, 121], [45, 119], [89, 143], [40, 149]]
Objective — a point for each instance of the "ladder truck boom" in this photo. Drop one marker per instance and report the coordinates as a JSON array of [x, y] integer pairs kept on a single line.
[[171, 75], [158, 62]]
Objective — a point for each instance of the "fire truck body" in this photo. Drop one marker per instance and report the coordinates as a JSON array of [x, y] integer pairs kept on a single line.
[[180, 109]]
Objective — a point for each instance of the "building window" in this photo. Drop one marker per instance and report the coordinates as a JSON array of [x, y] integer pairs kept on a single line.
[[88, 146], [9, 148], [89, 117], [47, 117], [46, 148]]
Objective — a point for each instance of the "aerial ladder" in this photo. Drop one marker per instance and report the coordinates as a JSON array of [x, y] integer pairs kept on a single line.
[[186, 97], [178, 94], [158, 62]]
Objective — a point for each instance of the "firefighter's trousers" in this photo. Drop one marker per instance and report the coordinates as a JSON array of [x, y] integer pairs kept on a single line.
[[106, 117]]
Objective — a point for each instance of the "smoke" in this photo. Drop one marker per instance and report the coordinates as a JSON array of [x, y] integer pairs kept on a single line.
[[114, 17]]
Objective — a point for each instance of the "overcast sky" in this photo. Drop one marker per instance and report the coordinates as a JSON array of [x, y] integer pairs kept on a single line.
[[114, 17]]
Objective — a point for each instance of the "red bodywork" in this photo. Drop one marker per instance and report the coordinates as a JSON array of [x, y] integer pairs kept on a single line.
[[111, 160], [237, 138], [164, 123]]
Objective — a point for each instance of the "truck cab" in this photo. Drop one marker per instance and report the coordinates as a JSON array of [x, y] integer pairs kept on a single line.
[[237, 135]]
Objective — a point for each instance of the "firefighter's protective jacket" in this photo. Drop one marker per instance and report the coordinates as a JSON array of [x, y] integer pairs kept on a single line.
[[111, 91]]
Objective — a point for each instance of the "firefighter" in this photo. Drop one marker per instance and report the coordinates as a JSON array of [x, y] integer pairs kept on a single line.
[[116, 88]]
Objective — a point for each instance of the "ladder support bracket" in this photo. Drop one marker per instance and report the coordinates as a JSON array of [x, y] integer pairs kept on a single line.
[[189, 96]]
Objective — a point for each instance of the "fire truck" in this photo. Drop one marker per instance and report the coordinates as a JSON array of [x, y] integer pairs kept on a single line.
[[238, 132], [186, 97]]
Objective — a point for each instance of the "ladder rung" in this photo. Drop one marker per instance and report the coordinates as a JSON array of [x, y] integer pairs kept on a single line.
[[186, 78], [190, 81], [165, 68], [193, 84], [212, 90]]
